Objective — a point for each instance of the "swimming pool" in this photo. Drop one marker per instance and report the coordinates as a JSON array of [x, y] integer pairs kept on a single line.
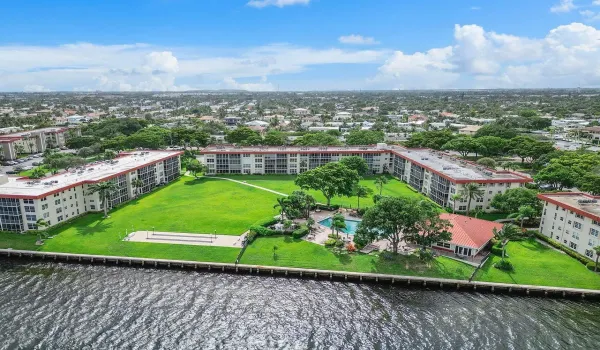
[[351, 225]]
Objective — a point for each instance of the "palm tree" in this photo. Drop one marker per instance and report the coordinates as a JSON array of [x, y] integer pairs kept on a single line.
[[471, 191], [524, 212], [137, 183], [41, 223], [597, 250], [338, 223], [379, 182], [508, 232], [309, 201], [361, 192], [455, 197], [104, 189], [282, 204]]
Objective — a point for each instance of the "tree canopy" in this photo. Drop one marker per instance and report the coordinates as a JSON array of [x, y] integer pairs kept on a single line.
[[331, 179], [356, 163], [364, 137], [514, 198]]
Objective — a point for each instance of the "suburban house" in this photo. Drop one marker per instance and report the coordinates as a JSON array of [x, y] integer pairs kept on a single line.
[[469, 130], [469, 235], [573, 220]]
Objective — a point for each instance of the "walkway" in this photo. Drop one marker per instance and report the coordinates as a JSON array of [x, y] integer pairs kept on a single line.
[[186, 238], [243, 183]]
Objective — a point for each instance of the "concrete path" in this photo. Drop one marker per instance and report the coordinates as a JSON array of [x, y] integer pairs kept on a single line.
[[247, 184], [186, 238]]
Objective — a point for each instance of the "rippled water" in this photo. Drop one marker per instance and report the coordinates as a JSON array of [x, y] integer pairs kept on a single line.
[[62, 306]]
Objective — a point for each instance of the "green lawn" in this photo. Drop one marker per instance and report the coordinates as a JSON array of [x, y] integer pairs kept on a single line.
[[539, 265], [285, 184], [187, 205], [30, 171], [298, 253]]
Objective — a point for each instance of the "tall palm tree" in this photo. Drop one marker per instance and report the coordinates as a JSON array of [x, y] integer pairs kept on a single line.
[[137, 184], [379, 182], [309, 202], [282, 204], [471, 191], [41, 223], [338, 223], [455, 198], [104, 189], [597, 250], [524, 212], [361, 192], [508, 232]]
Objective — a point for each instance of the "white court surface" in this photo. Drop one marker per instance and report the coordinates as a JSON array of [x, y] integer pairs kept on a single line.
[[186, 238]]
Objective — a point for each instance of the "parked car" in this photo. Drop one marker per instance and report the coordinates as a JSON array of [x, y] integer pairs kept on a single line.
[[11, 172], [36, 163]]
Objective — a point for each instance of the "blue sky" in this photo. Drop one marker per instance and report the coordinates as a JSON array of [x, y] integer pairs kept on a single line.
[[297, 44]]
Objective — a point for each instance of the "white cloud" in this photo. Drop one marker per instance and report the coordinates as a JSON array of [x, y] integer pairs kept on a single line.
[[355, 39], [596, 3], [563, 6], [35, 88], [475, 8], [566, 57], [263, 85], [89, 67], [590, 16], [277, 3]]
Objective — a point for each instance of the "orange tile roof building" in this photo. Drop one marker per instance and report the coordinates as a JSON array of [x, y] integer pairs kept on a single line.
[[469, 235]]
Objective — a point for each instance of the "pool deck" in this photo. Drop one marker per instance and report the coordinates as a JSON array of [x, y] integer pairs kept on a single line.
[[321, 232]]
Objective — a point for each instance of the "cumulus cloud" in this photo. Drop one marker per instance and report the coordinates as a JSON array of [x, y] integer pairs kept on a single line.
[[263, 85], [355, 39], [276, 3], [565, 57], [563, 6]]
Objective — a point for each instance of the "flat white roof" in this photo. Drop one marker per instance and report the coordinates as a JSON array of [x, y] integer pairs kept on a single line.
[[91, 173]]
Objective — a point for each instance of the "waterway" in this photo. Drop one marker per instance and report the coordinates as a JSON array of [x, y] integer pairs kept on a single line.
[[70, 306]]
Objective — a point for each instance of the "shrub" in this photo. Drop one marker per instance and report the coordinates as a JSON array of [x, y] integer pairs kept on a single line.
[[266, 222], [592, 265], [251, 236], [264, 231], [300, 232], [496, 250], [339, 243], [361, 211], [350, 247], [504, 265], [330, 242], [332, 236]]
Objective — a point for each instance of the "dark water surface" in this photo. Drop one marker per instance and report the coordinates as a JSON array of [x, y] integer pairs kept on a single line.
[[63, 306]]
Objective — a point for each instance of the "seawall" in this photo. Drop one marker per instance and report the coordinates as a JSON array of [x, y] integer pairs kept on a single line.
[[292, 272]]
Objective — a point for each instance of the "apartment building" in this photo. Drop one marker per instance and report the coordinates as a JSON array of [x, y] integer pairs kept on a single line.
[[435, 174], [34, 141], [66, 195], [573, 220]]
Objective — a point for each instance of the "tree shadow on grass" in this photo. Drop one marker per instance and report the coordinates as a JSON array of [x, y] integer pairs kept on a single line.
[[344, 259], [98, 227]]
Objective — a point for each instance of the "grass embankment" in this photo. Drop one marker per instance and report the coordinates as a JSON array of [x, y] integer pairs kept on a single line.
[[537, 264], [298, 253]]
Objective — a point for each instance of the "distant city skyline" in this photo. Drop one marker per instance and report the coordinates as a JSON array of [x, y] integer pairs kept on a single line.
[[298, 45]]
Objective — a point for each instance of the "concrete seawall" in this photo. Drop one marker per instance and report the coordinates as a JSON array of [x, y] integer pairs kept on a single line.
[[406, 281]]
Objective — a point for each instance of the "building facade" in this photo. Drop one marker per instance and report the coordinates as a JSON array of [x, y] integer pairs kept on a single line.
[[573, 220], [34, 141], [64, 196], [435, 174]]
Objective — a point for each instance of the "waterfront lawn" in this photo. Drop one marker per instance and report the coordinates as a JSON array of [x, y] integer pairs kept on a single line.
[[537, 264], [298, 253], [285, 184]]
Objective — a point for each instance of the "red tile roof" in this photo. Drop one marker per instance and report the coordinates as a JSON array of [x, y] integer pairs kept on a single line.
[[470, 232]]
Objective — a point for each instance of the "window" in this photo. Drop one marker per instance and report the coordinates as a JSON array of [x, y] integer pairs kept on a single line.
[[575, 235], [562, 219], [589, 253], [92, 207], [58, 210], [60, 218], [46, 215], [479, 207], [579, 216], [31, 217], [29, 209], [32, 226], [27, 201], [462, 208], [57, 202], [44, 206], [246, 156], [210, 160], [573, 245], [596, 223], [577, 225]]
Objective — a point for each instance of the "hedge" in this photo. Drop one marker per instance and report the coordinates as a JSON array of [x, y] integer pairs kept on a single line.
[[497, 251], [300, 232], [592, 265], [582, 259], [264, 231]]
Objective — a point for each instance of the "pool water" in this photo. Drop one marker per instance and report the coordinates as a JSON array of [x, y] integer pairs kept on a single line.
[[351, 225]]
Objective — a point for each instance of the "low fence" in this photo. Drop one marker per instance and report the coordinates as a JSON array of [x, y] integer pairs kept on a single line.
[[406, 281]]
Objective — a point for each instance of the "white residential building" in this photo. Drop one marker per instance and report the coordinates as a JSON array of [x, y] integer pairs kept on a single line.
[[573, 220], [435, 174], [66, 195], [300, 111]]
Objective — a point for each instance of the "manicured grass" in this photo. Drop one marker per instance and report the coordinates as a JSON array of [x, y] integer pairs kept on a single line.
[[298, 253], [187, 205], [30, 171], [539, 265], [285, 184]]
